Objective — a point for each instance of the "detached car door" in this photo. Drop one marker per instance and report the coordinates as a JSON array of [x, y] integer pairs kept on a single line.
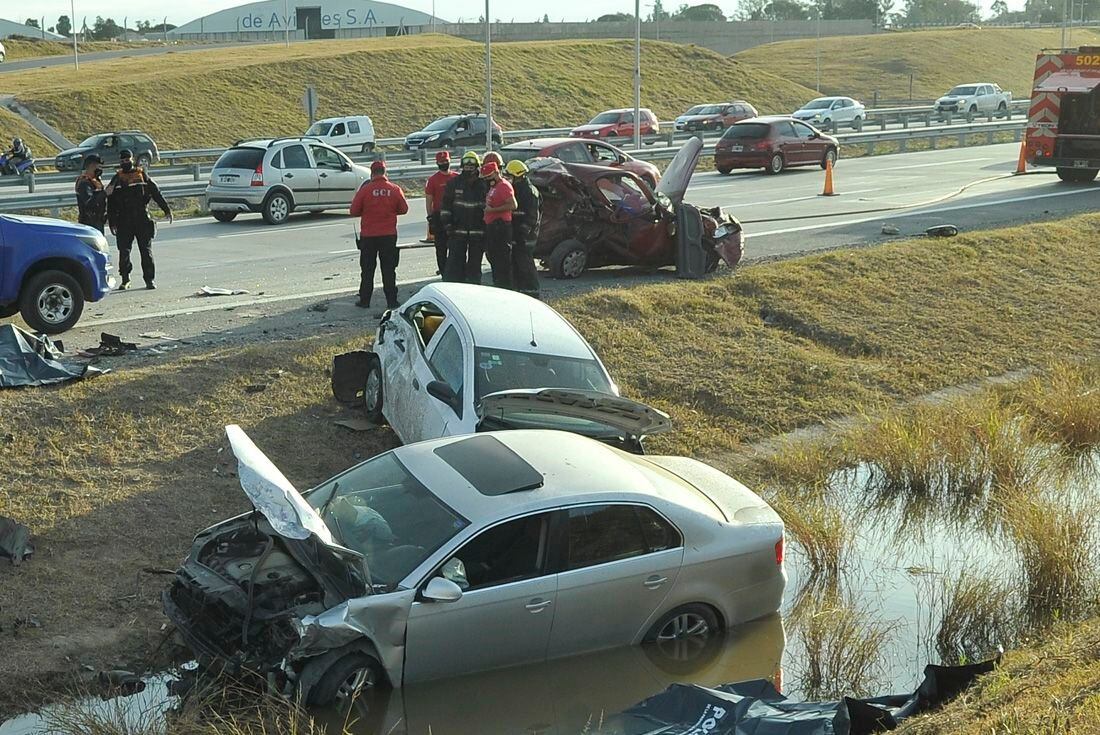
[[337, 181], [506, 610], [299, 175], [617, 564]]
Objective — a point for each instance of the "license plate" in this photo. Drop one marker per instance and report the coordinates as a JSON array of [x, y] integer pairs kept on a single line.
[[737, 148], [227, 179], [1080, 164]]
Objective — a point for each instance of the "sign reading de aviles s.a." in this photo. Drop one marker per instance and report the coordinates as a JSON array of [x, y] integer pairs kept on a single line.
[[346, 18]]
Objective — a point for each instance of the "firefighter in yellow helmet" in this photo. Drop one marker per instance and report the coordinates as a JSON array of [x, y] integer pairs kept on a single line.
[[462, 216], [525, 229]]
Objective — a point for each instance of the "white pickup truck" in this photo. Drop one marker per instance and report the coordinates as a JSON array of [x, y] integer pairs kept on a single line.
[[978, 99]]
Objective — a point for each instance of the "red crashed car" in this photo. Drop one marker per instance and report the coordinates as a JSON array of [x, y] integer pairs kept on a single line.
[[572, 150], [773, 143], [594, 216], [715, 117], [617, 124]]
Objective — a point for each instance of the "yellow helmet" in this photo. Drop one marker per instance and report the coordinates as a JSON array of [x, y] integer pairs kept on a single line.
[[517, 168], [471, 156]]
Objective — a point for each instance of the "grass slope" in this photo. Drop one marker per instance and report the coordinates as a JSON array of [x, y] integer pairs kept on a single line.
[[12, 126], [31, 48], [214, 97], [938, 60]]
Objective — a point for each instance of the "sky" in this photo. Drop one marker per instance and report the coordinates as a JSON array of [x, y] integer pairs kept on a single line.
[[181, 11]]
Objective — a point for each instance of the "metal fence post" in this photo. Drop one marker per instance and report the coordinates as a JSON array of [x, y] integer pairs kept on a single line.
[[870, 148], [903, 145], [904, 120], [30, 181], [928, 119], [962, 140], [882, 123], [989, 137], [423, 156], [668, 136], [196, 171], [932, 142]]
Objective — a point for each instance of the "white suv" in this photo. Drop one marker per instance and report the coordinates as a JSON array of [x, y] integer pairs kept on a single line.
[[277, 177]]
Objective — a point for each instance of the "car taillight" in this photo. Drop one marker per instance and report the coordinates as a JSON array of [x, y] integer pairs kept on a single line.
[[258, 176], [779, 551], [761, 146]]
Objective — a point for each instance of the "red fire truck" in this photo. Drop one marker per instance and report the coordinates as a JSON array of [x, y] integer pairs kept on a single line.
[[1063, 127]]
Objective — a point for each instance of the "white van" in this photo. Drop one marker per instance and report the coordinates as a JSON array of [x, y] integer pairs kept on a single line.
[[354, 132], [2, 52]]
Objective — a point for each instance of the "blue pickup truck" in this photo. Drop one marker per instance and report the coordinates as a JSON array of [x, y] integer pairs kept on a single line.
[[49, 269]]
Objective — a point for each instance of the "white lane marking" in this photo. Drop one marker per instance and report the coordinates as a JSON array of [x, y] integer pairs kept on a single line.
[[796, 199], [918, 212], [927, 165]]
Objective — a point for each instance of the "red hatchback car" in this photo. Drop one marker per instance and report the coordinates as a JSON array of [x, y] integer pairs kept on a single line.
[[571, 150], [617, 124], [716, 117], [773, 143]]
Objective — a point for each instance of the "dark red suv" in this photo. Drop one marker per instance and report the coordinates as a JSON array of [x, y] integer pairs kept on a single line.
[[773, 143]]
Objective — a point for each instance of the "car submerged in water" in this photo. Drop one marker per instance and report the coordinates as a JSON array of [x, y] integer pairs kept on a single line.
[[594, 216], [468, 554]]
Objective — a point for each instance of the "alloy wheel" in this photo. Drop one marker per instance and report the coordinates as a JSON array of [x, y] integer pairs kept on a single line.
[[372, 393], [55, 303], [357, 682], [573, 265]]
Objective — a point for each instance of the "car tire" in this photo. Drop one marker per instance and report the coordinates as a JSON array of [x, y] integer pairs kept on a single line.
[[827, 124], [724, 170], [1002, 109], [569, 259], [1077, 175], [775, 166], [224, 216], [9, 310], [367, 148], [830, 155], [51, 302], [857, 122], [373, 393], [353, 675], [687, 621], [276, 208]]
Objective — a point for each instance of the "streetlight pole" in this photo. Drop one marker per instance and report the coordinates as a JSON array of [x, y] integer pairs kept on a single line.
[[488, 82], [819, 50], [72, 29], [637, 74], [286, 24]]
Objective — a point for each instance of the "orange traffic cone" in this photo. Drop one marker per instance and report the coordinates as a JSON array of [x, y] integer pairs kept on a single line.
[[828, 192], [1021, 164]]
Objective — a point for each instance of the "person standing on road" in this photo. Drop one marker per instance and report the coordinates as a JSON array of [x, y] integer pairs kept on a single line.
[[128, 197], [91, 197], [525, 229], [500, 202], [462, 214], [433, 203], [377, 204]]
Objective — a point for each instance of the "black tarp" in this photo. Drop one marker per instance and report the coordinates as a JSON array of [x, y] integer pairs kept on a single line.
[[15, 540], [756, 708], [28, 360]]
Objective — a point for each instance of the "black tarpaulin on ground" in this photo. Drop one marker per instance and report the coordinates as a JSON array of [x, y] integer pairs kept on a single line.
[[28, 360], [15, 540], [756, 708]]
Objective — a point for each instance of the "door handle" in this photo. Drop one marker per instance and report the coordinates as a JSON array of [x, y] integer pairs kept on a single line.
[[288, 176], [536, 605], [654, 582], [322, 176], [416, 384], [399, 344]]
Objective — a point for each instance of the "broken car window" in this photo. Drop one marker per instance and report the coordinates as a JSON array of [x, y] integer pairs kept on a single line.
[[381, 510], [497, 370]]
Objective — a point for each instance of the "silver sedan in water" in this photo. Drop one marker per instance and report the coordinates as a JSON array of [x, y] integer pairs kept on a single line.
[[473, 553]]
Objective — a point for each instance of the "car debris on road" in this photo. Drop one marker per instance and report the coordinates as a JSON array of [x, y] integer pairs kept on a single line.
[[35, 360], [15, 541]]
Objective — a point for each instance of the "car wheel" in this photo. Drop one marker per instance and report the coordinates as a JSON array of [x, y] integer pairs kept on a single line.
[[1077, 175], [276, 208], [973, 110], [830, 157], [775, 166], [1001, 109], [367, 148], [688, 626], [826, 124], [9, 310], [351, 677], [144, 160], [51, 302], [724, 170], [372, 392], [224, 216], [569, 259], [857, 122]]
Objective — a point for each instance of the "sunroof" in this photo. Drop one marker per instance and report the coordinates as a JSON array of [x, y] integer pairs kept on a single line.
[[489, 466]]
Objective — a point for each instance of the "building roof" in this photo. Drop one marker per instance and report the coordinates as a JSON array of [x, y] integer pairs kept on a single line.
[[9, 28], [267, 16]]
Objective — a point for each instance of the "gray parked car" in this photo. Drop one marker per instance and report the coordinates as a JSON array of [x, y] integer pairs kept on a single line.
[[107, 146], [472, 553]]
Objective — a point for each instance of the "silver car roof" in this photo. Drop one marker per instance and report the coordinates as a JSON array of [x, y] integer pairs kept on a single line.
[[507, 320]]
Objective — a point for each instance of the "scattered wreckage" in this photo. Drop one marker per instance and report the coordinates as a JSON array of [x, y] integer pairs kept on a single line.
[[594, 216], [460, 359], [442, 558]]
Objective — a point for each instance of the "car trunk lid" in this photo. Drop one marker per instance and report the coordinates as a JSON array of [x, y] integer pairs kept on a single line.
[[677, 176], [629, 419], [237, 167]]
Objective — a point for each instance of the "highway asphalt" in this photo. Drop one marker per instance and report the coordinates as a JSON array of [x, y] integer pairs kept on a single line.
[[312, 259]]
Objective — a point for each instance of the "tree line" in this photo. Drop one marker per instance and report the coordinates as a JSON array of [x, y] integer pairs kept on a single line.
[[103, 29]]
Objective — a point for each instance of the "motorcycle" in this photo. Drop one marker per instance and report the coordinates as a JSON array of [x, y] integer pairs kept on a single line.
[[11, 166]]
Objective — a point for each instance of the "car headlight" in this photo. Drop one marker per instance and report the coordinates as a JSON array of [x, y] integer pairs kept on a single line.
[[431, 137], [95, 242]]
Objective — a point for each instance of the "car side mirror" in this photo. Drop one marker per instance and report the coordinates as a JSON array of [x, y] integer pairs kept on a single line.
[[345, 166], [440, 391], [441, 590], [814, 134]]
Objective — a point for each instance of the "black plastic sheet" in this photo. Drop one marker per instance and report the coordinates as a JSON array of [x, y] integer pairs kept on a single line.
[[756, 708], [29, 360], [15, 541]]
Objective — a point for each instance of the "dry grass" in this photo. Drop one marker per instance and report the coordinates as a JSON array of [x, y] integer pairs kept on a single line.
[[546, 84], [978, 612], [937, 60], [31, 48], [1065, 404], [822, 531], [13, 126]]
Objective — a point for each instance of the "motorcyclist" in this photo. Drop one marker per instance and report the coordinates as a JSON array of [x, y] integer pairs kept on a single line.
[[19, 154], [525, 229], [462, 215], [91, 197]]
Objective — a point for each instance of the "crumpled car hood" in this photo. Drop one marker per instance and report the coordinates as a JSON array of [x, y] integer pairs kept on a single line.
[[632, 418]]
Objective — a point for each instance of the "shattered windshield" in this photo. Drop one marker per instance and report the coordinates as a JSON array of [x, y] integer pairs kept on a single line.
[[498, 370], [380, 510], [961, 92]]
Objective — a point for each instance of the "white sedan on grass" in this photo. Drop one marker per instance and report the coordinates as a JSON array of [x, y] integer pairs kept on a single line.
[[459, 359]]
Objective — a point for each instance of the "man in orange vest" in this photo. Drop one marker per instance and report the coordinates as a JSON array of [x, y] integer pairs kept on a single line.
[[91, 198], [377, 204], [128, 197], [433, 202]]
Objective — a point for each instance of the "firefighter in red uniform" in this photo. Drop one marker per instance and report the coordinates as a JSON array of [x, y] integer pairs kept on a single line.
[[377, 204], [433, 203], [500, 202]]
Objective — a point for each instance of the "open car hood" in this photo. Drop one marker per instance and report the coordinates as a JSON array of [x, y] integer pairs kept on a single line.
[[630, 418], [674, 182], [272, 494]]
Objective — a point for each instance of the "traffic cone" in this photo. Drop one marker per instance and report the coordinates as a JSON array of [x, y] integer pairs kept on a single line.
[[1021, 164], [828, 192]]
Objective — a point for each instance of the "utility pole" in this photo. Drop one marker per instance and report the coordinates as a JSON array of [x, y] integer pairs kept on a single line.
[[819, 50], [488, 82], [637, 74], [286, 24], [72, 30], [1065, 20]]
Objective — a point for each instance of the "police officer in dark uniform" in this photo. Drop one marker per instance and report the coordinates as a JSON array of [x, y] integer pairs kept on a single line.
[[128, 197], [525, 229], [91, 197], [462, 215]]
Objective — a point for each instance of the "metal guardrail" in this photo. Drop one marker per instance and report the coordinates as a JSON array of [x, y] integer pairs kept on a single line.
[[870, 139]]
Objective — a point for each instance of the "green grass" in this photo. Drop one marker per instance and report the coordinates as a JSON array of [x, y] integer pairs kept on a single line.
[[12, 126], [204, 98], [861, 65], [32, 48]]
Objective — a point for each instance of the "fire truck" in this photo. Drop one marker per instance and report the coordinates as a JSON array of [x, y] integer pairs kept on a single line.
[[1063, 127]]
